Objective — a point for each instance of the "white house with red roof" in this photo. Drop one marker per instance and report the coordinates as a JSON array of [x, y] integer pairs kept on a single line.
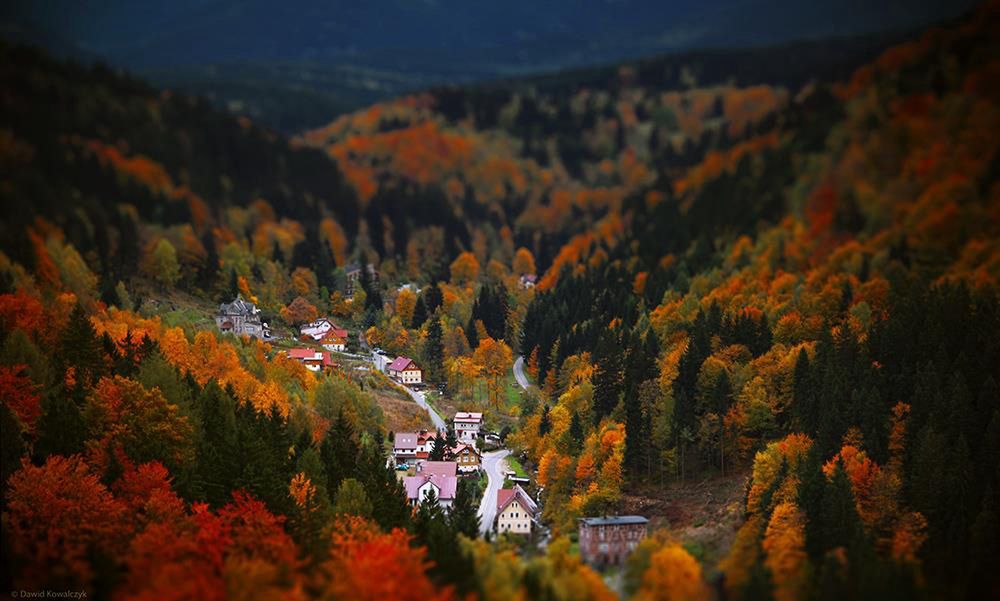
[[419, 487], [318, 330], [467, 426], [313, 360], [515, 511], [335, 340], [405, 370]]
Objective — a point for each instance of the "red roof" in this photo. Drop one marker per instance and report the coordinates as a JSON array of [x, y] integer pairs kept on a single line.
[[302, 353], [506, 496], [503, 497], [402, 364], [441, 468]]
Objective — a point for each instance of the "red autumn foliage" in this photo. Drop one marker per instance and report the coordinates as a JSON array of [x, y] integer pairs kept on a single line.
[[369, 565], [58, 515], [20, 394]]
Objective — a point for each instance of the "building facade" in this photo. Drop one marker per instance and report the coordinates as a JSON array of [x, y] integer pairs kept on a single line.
[[467, 426], [610, 540], [515, 511], [406, 371], [420, 487], [242, 319], [467, 458]]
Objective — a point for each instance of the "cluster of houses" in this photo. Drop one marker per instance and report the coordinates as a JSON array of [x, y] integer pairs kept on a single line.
[[328, 334]]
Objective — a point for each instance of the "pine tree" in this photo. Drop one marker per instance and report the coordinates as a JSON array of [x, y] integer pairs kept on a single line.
[[439, 449], [607, 376], [215, 451], [339, 452], [463, 517], [390, 508], [80, 348], [351, 499], [839, 521], [451, 441], [433, 298], [419, 314], [804, 409], [434, 350], [576, 432], [544, 422], [61, 427]]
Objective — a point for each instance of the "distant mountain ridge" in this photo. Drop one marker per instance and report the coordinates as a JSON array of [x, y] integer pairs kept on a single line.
[[323, 58]]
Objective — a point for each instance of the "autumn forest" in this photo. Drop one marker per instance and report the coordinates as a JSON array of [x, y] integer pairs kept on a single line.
[[753, 300]]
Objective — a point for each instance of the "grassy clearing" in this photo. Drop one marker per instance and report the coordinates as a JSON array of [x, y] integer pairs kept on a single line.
[[516, 467]]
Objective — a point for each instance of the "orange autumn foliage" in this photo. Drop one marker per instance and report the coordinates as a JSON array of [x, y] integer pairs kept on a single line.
[[673, 575], [369, 565]]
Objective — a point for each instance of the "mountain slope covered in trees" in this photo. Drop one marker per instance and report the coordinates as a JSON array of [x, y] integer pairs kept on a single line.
[[789, 279]]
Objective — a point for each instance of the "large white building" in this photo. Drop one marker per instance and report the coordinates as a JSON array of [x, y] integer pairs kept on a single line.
[[467, 426]]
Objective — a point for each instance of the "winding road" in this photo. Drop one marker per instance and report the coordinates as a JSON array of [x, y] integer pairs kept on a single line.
[[494, 465], [522, 379], [418, 397]]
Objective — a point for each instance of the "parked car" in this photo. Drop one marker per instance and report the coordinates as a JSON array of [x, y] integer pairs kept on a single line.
[[402, 467]]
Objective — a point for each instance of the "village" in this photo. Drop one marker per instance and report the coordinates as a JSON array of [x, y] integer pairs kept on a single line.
[[430, 462]]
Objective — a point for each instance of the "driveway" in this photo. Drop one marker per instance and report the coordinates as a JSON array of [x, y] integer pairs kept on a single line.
[[494, 465], [522, 380]]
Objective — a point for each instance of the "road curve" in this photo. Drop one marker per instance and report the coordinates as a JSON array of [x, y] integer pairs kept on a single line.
[[522, 380], [494, 465], [418, 397], [420, 400]]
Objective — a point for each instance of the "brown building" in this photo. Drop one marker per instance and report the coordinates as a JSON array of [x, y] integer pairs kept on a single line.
[[609, 540]]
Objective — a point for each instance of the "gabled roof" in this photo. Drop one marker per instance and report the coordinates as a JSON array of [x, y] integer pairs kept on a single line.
[[464, 416], [445, 485], [506, 496], [303, 353], [402, 364], [614, 520], [238, 307], [405, 440], [461, 447], [442, 468]]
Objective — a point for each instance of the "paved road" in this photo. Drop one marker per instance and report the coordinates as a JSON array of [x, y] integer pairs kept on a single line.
[[419, 398], [494, 465], [519, 373]]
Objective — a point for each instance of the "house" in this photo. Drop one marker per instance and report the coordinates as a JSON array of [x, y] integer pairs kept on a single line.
[[317, 329], [609, 540], [440, 468], [352, 274], [242, 319], [467, 458], [405, 370], [467, 426], [420, 486], [335, 340], [425, 443], [404, 447], [313, 360], [515, 511], [528, 280]]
